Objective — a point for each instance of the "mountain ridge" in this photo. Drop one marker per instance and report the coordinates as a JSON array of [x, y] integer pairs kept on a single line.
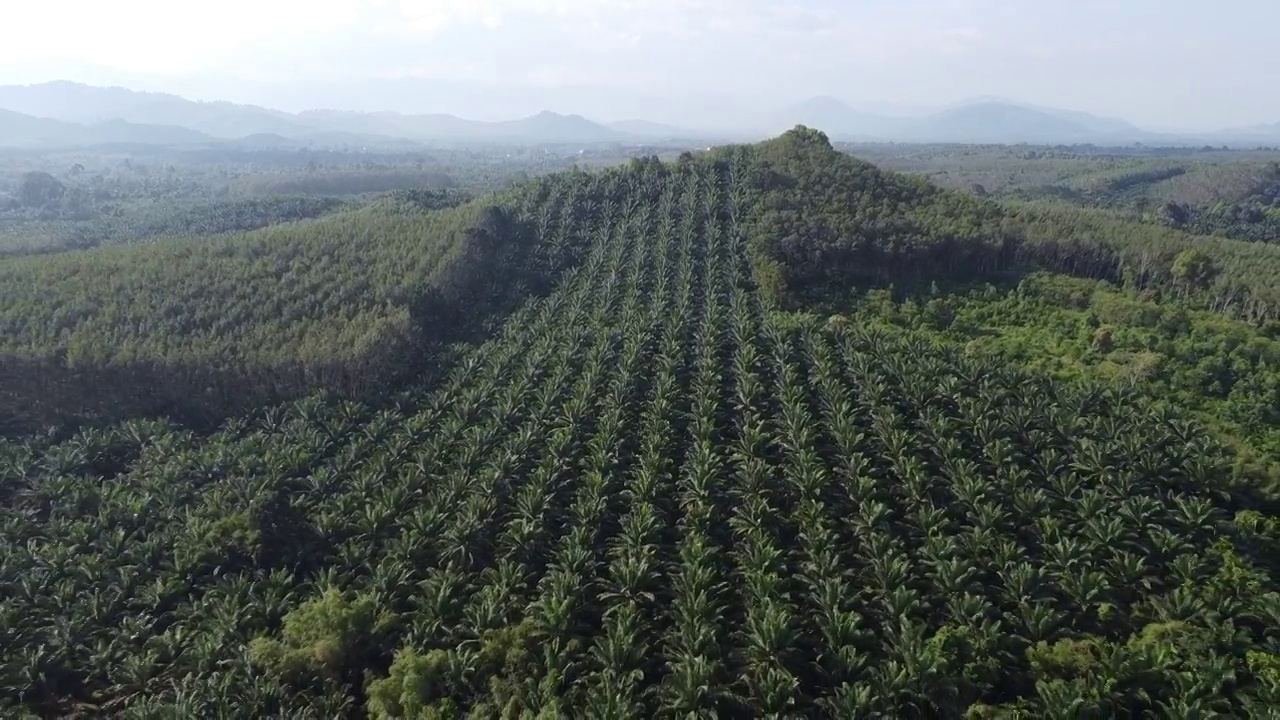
[[988, 120], [21, 129], [77, 103], [977, 120]]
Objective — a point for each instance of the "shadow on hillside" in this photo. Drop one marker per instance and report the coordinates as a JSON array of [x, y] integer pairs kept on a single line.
[[953, 268], [36, 394]]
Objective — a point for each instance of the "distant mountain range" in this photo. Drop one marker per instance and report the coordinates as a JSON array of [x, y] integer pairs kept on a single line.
[[544, 127], [982, 121], [66, 113], [17, 129], [74, 102], [52, 110], [1258, 134]]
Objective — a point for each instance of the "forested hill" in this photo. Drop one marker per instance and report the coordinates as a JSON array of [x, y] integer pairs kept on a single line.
[[635, 491], [199, 328], [633, 487], [825, 223], [359, 303]]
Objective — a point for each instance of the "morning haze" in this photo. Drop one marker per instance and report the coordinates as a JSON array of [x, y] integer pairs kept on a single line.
[[1166, 66]]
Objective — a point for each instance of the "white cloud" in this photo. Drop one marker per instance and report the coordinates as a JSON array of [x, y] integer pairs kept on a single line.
[[161, 36], [170, 37], [429, 16]]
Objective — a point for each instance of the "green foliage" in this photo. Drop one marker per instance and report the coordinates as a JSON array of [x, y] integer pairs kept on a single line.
[[340, 182], [1124, 310], [1194, 268], [1234, 194], [238, 298], [826, 226], [198, 331], [128, 194], [1238, 201], [826, 220], [1067, 658], [1225, 371], [1238, 279], [231, 535], [325, 636], [434, 683], [168, 219], [1266, 666], [1059, 290], [407, 692]]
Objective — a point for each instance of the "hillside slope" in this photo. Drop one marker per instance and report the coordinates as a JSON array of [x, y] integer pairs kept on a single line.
[[825, 226], [822, 220], [198, 329]]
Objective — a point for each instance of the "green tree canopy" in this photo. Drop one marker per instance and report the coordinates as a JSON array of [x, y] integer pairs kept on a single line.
[[1194, 268]]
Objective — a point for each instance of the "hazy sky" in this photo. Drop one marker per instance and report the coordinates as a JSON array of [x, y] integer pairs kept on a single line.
[[1167, 64]]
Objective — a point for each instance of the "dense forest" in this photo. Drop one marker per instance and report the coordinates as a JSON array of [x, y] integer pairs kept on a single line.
[[1227, 193], [198, 330], [54, 200], [763, 431], [827, 222]]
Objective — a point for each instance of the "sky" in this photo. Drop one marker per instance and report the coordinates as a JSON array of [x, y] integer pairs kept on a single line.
[[1164, 64]]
